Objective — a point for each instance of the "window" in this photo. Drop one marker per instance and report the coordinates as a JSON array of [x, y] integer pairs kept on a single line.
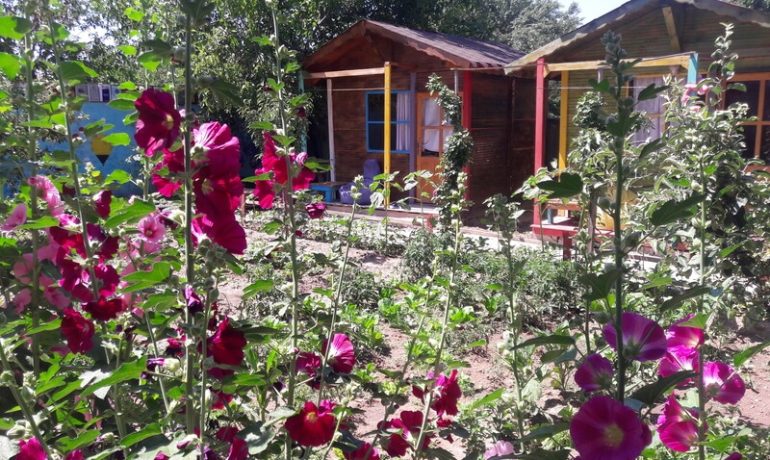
[[435, 130], [399, 122], [756, 96], [654, 109]]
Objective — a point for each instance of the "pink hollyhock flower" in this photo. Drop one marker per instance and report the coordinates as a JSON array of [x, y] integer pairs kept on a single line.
[[275, 164], [102, 201], [17, 217], [499, 449], [312, 426], [173, 162], [75, 455], [56, 297], [315, 210], [643, 339], [308, 362], [227, 233], [31, 450], [22, 268], [151, 229], [221, 400], [77, 330], [223, 150], [448, 393], [679, 359], [364, 452], [734, 456], [21, 300], [161, 456], [722, 383], [341, 355], [677, 427], [604, 429], [408, 429], [227, 344], [239, 450], [158, 124], [595, 373], [684, 336], [103, 309], [49, 193]]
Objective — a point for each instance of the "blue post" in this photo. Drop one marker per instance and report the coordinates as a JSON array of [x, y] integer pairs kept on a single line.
[[692, 69], [303, 137]]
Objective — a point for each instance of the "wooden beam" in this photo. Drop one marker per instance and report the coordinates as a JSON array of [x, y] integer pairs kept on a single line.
[[673, 35], [467, 121], [563, 120], [345, 73], [540, 100], [681, 59], [386, 119], [330, 123]]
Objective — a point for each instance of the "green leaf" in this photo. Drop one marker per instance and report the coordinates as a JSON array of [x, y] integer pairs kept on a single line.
[[220, 89], [133, 14], [131, 213], [145, 279], [729, 250], [600, 285], [746, 354], [650, 394], [568, 185], [117, 139], [127, 86], [47, 326], [149, 431], [600, 86], [256, 287], [673, 210], [128, 50], [680, 298], [127, 371], [150, 61], [14, 28], [546, 431], [121, 104], [159, 47], [651, 92], [487, 399], [555, 339], [43, 222], [76, 71], [117, 176], [650, 147], [540, 454], [10, 65], [83, 439]]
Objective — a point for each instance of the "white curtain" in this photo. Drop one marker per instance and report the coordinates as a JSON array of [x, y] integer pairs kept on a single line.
[[653, 108], [403, 141], [431, 117]]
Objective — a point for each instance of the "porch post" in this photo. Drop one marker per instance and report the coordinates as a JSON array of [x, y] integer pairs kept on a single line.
[[467, 120], [330, 123], [386, 141], [412, 126], [303, 138], [563, 120], [692, 68], [539, 126]]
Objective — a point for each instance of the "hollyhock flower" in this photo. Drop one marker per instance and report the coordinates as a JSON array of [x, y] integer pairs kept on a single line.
[[643, 339], [173, 162], [21, 300], [227, 233], [679, 359], [264, 190], [595, 373], [722, 383], [734, 456], [56, 297], [361, 453], [315, 210], [312, 426], [408, 425], [227, 344], [193, 300], [605, 429], [102, 201], [499, 449], [174, 347], [341, 355], [77, 330], [151, 229], [49, 193], [17, 217], [75, 455], [685, 336], [103, 309], [31, 450], [239, 450], [221, 400], [158, 124], [223, 150], [308, 362], [161, 456], [677, 427], [448, 393]]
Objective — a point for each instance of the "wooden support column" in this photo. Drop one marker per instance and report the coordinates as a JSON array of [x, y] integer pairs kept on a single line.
[[540, 100], [413, 127], [692, 69], [563, 120], [303, 138], [330, 123], [386, 118], [467, 115]]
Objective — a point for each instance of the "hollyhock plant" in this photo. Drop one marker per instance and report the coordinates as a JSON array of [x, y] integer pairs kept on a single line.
[[364, 452], [677, 427], [308, 362], [678, 359], [77, 330], [102, 201], [499, 449], [605, 429], [227, 344], [595, 373], [448, 393], [49, 193], [31, 450], [275, 165], [314, 425], [643, 339], [104, 309], [407, 427], [678, 335], [734, 456], [341, 355], [151, 230], [315, 210], [157, 126], [17, 217], [722, 383], [75, 455]]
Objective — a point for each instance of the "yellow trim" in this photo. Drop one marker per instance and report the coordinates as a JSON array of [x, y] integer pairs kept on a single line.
[[563, 122], [682, 60], [386, 118]]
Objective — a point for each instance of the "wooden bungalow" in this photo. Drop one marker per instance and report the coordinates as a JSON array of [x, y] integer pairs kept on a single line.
[[671, 37], [378, 107]]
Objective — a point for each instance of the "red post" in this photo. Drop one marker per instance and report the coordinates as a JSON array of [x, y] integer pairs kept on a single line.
[[540, 100], [466, 119]]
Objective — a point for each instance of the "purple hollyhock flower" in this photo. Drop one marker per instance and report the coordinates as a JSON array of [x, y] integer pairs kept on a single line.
[[594, 374], [643, 339], [722, 383], [315, 210], [679, 359], [604, 429], [677, 427], [685, 336], [735, 456]]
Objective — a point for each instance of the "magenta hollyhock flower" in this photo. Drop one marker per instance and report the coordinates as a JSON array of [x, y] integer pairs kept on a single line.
[[678, 359], [341, 355], [499, 449], [49, 193], [722, 383], [314, 425], [604, 429], [222, 150], [31, 450], [173, 162], [239, 450], [151, 229], [77, 330], [315, 210], [677, 427], [157, 126], [643, 339], [273, 163], [448, 393], [21, 300], [735, 456], [595, 373], [75, 455], [684, 336], [103, 309], [308, 362], [227, 344], [102, 201], [364, 452], [17, 217]]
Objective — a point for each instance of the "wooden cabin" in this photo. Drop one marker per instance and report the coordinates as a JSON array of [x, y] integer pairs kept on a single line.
[[374, 76], [671, 37]]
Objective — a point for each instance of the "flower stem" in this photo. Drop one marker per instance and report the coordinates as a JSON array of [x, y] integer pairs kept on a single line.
[[157, 355], [699, 377], [204, 354], [618, 147]]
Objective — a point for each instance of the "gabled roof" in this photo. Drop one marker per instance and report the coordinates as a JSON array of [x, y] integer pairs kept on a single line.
[[458, 51], [630, 10]]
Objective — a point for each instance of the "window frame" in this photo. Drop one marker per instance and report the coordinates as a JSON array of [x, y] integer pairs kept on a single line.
[[393, 121], [764, 80]]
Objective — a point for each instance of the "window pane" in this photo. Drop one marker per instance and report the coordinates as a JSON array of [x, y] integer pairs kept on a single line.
[[764, 150], [750, 133], [377, 136], [430, 141], [750, 96], [376, 106]]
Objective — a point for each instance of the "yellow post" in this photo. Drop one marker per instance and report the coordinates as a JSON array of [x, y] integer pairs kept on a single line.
[[386, 141], [563, 120]]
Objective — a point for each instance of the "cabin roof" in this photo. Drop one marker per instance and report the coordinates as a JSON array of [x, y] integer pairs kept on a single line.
[[458, 51], [628, 12]]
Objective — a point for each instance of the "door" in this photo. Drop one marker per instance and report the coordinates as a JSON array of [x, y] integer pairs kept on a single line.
[[432, 134]]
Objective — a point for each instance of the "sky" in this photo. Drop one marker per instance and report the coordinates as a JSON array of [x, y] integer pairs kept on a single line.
[[592, 9]]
